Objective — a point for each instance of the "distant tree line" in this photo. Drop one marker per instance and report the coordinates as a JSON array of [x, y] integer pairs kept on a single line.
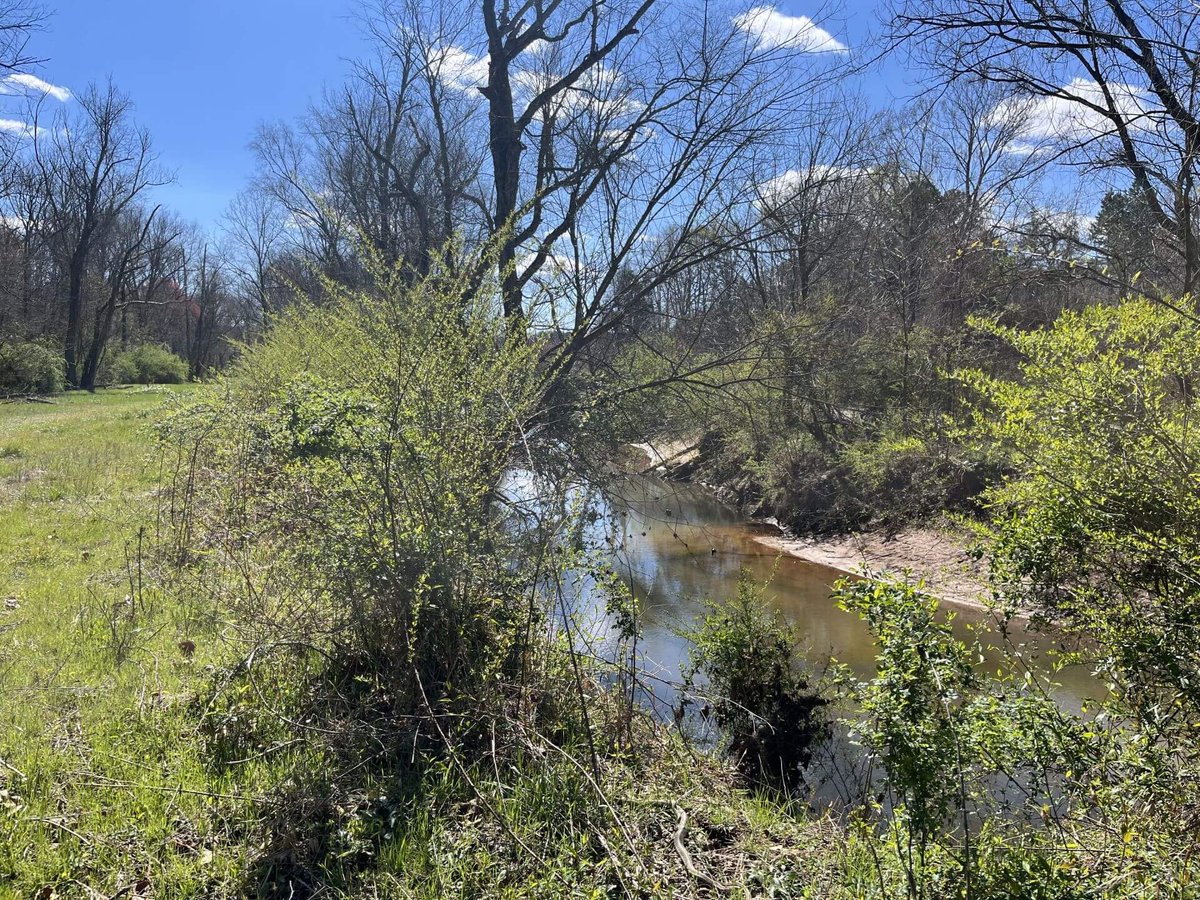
[[90, 262], [644, 178]]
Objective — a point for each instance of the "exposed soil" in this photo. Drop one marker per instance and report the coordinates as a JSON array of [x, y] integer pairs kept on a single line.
[[669, 456], [937, 557]]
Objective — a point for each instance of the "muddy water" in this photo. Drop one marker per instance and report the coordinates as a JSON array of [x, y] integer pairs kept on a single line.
[[678, 547]]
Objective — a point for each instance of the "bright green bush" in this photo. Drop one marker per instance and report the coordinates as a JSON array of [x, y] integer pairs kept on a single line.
[[1099, 526], [358, 448], [339, 492], [757, 686], [985, 787], [30, 368], [149, 364]]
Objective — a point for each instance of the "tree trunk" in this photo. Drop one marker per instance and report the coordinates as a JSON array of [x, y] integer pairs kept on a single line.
[[75, 314], [100, 333], [505, 145]]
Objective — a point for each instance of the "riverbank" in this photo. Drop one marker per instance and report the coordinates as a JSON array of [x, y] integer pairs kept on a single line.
[[936, 556], [939, 558], [134, 762]]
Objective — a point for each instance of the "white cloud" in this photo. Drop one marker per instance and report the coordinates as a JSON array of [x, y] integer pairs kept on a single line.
[[637, 136], [458, 69], [785, 187], [600, 91], [15, 126], [772, 29], [23, 81], [556, 266], [1054, 120]]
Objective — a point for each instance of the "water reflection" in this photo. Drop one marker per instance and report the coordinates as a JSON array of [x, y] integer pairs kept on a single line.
[[677, 546]]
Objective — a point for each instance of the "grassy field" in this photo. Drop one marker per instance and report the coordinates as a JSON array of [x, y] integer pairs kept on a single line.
[[106, 788], [93, 789]]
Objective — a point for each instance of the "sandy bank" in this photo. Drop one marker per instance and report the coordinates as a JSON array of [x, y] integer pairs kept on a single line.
[[938, 557]]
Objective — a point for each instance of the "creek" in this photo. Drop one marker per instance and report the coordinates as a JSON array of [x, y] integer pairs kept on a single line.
[[678, 547]]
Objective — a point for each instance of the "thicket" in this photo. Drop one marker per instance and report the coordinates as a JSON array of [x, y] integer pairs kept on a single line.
[[340, 491], [979, 782], [148, 364], [400, 647], [1097, 531], [824, 426], [986, 785], [1099, 527], [30, 368]]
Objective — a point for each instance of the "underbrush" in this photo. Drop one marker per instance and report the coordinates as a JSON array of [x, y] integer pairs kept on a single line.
[[147, 364], [307, 646], [308, 638], [824, 429], [986, 787], [405, 679], [31, 368], [882, 477], [504, 806]]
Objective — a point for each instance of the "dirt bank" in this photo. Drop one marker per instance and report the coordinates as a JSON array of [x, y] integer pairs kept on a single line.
[[666, 456], [936, 556]]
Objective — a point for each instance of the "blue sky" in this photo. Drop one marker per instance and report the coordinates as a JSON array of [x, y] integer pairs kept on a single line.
[[204, 73]]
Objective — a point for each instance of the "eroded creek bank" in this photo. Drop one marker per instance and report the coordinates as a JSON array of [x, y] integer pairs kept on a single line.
[[679, 546]]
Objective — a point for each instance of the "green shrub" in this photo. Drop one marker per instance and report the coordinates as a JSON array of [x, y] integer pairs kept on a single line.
[[919, 715], [30, 368], [338, 493], [759, 694], [986, 788], [1099, 524], [149, 364], [358, 449], [1097, 527]]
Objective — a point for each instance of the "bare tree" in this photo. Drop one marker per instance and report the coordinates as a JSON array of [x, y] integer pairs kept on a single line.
[[387, 160], [206, 301], [616, 134], [1109, 85], [18, 20], [138, 261], [393, 158], [289, 171], [255, 233], [808, 212], [91, 168], [594, 151]]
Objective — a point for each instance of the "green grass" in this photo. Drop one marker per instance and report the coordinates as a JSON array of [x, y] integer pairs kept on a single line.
[[92, 785], [106, 786]]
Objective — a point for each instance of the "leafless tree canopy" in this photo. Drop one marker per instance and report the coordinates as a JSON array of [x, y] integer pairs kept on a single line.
[[644, 172], [1113, 85], [90, 168], [592, 145], [18, 20]]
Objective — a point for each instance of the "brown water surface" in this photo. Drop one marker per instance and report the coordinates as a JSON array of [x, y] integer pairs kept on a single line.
[[678, 547]]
